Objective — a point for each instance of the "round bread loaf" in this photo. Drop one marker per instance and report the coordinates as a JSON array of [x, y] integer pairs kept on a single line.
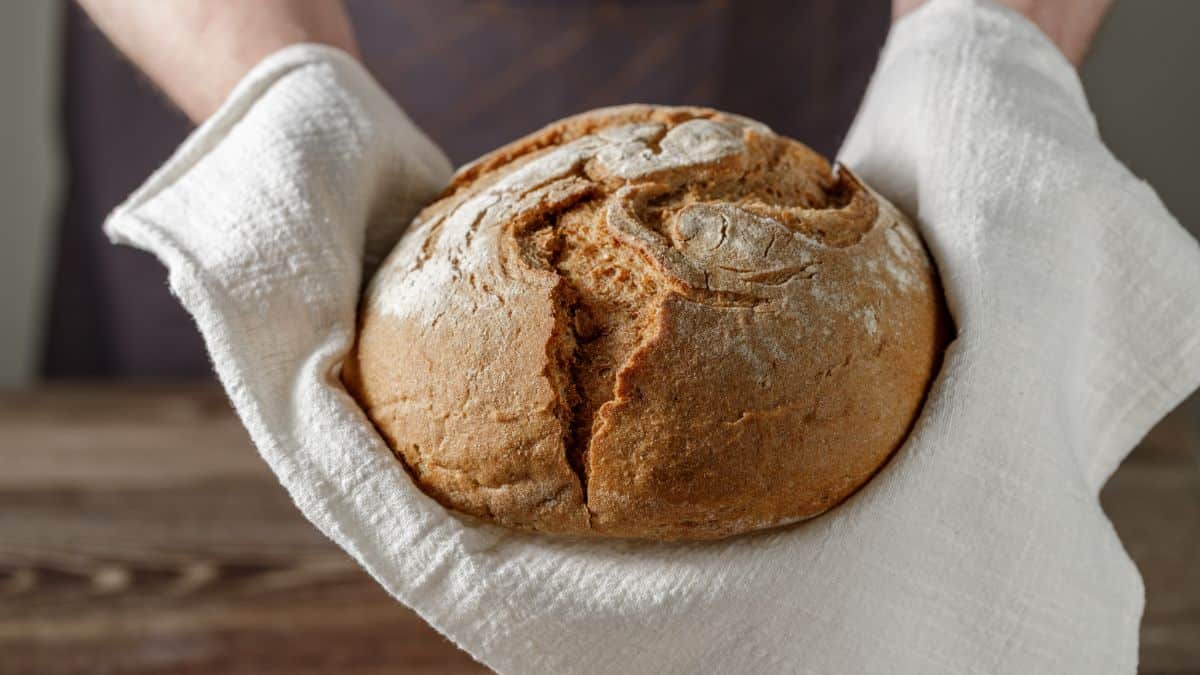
[[664, 323]]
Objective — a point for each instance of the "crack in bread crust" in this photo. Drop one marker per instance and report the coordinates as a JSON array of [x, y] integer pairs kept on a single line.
[[632, 280], [606, 302]]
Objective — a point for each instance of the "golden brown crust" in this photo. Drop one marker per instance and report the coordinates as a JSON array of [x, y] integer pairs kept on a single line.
[[665, 323]]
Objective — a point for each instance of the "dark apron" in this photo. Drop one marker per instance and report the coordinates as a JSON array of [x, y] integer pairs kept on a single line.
[[473, 75]]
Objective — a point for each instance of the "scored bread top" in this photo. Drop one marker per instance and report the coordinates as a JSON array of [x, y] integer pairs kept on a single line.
[[649, 322]]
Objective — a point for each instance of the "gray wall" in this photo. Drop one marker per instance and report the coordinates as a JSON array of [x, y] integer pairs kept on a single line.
[[1143, 80], [28, 177]]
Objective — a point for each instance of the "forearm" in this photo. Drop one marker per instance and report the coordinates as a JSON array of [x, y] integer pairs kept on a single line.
[[197, 50]]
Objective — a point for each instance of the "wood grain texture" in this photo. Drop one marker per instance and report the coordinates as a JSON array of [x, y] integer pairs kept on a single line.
[[140, 533], [1154, 502]]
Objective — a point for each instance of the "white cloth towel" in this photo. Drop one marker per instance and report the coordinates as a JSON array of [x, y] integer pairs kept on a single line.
[[980, 548]]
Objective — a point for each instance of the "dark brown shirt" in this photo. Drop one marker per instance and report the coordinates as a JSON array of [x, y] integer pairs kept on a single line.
[[473, 75]]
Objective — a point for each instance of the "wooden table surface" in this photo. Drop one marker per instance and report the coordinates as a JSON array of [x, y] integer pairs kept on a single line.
[[140, 533]]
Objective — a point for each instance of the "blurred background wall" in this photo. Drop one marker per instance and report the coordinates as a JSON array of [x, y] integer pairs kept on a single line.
[[29, 178], [1142, 81]]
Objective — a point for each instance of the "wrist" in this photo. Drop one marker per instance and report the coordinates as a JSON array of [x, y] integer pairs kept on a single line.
[[1070, 24], [196, 51]]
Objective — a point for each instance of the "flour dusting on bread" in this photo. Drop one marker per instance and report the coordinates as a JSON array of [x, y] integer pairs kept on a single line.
[[649, 322]]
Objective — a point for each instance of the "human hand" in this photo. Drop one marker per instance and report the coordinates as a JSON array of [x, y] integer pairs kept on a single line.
[[1070, 24], [980, 547], [197, 50]]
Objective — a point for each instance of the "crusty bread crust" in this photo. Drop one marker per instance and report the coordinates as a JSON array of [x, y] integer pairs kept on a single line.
[[665, 323]]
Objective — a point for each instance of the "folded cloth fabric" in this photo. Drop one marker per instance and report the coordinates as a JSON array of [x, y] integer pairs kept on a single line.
[[981, 547]]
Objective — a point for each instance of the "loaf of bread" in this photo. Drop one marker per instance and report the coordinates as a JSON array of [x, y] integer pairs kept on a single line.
[[662, 323]]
